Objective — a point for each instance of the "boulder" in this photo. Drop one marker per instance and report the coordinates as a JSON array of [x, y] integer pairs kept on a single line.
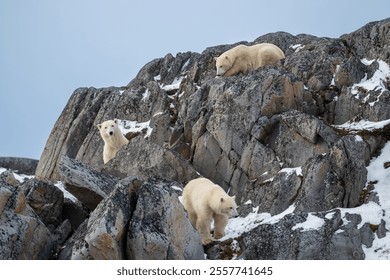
[[87, 185], [161, 232], [105, 231], [47, 202], [23, 236]]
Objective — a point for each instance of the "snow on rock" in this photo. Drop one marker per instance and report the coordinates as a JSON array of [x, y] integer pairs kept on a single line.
[[363, 125], [333, 83], [296, 170], [20, 177], [371, 212], [67, 194], [297, 47], [375, 83], [134, 127], [379, 171], [145, 95], [237, 226], [174, 86], [312, 222]]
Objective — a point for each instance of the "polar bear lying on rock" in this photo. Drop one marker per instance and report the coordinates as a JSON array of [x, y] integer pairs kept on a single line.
[[206, 201], [242, 59]]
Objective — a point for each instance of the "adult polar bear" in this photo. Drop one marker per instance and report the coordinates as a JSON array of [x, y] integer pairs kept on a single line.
[[242, 59], [205, 201], [112, 137]]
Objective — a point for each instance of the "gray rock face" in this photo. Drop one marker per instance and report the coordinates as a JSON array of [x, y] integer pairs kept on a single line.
[[136, 221], [284, 240], [47, 201], [23, 236], [271, 137], [161, 231], [106, 228], [145, 159], [88, 185]]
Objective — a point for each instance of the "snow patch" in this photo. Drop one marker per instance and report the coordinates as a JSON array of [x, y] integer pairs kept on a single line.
[[358, 138], [289, 171], [20, 177], [176, 188], [297, 47], [237, 226], [375, 83], [312, 223], [145, 95], [67, 194], [363, 125], [174, 86], [127, 126], [333, 83]]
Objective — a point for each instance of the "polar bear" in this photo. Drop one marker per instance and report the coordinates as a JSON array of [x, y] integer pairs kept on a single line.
[[242, 59], [113, 138], [205, 201]]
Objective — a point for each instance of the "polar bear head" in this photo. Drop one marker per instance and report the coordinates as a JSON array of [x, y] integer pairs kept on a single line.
[[228, 206], [223, 63], [109, 129]]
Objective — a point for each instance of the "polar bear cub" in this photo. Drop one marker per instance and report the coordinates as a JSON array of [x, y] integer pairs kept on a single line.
[[206, 201], [113, 138], [242, 59]]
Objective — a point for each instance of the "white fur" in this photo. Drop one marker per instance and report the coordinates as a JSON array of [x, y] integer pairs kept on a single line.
[[242, 59], [204, 202], [112, 137]]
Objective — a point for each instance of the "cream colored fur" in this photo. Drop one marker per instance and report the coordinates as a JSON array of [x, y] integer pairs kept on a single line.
[[242, 59], [204, 202], [112, 137]]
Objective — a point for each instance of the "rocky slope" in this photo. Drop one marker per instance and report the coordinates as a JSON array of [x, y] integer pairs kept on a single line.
[[285, 140]]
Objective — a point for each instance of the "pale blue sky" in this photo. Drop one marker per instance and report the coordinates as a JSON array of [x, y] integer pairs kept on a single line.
[[48, 48]]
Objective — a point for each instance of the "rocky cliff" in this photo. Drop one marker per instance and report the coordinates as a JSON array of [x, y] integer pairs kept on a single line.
[[293, 142]]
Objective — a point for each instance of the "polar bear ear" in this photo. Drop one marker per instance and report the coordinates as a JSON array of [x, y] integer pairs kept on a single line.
[[99, 126], [215, 58], [116, 121]]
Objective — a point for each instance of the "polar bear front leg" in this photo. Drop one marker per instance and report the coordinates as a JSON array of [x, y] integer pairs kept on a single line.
[[236, 69], [203, 227], [220, 222]]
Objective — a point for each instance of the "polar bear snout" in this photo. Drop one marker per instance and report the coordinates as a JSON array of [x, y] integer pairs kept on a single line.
[[220, 71], [111, 131], [233, 213]]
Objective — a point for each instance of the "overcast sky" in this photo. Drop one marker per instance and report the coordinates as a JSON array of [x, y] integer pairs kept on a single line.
[[48, 48]]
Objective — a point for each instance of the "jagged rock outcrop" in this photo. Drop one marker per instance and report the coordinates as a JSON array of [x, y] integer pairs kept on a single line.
[[136, 220], [29, 232], [289, 238], [277, 137], [88, 186], [162, 231]]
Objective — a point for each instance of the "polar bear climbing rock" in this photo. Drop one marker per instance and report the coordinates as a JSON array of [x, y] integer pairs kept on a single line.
[[113, 138], [242, 59], [205, 201]]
